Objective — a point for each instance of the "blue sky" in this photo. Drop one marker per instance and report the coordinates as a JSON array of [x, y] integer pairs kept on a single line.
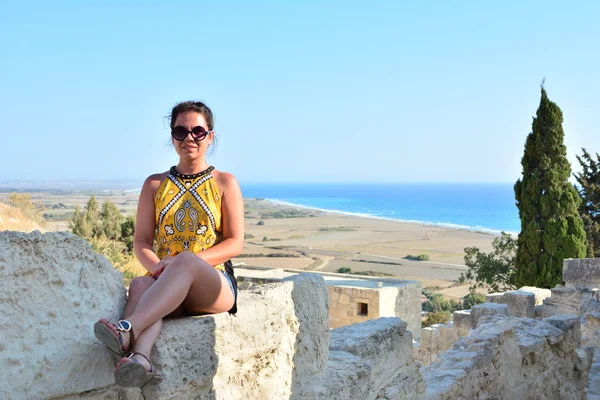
[[439, 91]]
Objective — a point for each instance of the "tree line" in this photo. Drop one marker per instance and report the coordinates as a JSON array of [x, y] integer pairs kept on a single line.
[[559, 220], [106, 229]]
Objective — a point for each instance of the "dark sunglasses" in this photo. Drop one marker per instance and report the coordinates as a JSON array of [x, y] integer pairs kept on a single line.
[[180, 133]]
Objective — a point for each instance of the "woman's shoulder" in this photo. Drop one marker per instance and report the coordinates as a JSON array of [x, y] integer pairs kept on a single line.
[[154, 180], [224, 179]]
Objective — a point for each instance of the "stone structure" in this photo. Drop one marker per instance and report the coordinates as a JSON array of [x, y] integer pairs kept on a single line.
[[349, 304], [435, 339], [512, 358], [53, 288], [354, 299], [520, 304]]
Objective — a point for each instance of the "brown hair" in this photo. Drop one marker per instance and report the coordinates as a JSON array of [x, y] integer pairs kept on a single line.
[[192, 106]]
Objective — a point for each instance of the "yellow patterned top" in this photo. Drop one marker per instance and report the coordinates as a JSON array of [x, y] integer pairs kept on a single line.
[[188, 214]]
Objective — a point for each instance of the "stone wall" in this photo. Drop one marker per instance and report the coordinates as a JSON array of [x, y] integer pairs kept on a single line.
[[513, 358], [53, 288]]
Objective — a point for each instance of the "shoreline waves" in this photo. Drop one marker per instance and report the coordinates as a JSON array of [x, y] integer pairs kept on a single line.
[[447, 225]]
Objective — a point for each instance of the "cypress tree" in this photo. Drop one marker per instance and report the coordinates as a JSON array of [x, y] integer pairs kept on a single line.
[[551, 228], [589, 191]]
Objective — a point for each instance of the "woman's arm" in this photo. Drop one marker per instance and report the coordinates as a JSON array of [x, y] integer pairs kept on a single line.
[[232, 208], [145, 225]]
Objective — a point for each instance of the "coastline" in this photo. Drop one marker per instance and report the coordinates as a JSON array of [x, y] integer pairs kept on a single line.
[[449, 225], [283, 235]]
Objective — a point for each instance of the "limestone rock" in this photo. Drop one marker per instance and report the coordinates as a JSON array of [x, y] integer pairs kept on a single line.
[[462, 322], [53, 288], [434, 340], [512, 358], [486, 309], [369, 360], [582, 272], [540, 293], [277, 341]]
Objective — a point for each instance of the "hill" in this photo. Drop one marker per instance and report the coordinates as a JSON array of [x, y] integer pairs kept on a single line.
[[12, 219]]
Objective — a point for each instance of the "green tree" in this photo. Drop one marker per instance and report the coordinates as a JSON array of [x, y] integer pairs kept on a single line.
[[31, 210], [92, 217], [110, 220], [127, 231], [78, 224], [496, 270], [551, 228], [589, 191]]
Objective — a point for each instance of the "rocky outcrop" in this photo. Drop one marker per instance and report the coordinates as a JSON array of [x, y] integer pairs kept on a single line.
[[513, 358], [53, 288]]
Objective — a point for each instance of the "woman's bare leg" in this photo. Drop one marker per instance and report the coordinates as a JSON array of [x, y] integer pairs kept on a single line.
[[145, 340], [187, 281]]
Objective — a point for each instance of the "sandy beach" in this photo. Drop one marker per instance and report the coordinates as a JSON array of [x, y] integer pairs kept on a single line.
[[284, 236]]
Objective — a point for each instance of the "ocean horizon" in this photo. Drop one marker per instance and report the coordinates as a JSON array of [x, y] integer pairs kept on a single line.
[[483, 207]]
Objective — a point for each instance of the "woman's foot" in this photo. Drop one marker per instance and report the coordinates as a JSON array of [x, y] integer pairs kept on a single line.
[[116, 336], [135, 371], [137, 358]]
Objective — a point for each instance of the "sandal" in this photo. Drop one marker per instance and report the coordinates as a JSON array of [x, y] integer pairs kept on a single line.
[[113, 342], [130, 373]]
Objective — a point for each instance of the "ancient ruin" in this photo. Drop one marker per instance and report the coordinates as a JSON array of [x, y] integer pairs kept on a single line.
[[280, 345]]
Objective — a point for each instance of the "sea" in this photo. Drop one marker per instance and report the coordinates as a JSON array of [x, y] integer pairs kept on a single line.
[[484, 207]]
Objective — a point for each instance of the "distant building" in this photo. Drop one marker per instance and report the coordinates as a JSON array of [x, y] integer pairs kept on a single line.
[[354, 299]]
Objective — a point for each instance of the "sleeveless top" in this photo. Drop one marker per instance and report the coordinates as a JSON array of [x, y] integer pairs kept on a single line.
[[188, 216]]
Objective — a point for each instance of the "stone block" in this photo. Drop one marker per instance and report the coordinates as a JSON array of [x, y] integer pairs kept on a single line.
[[53, 288], [277, 342], [520, 304], [486, 309], [582, 271], [462, 322], [540, 293]]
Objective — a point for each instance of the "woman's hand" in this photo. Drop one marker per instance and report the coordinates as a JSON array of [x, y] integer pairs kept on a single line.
[[161, 265]]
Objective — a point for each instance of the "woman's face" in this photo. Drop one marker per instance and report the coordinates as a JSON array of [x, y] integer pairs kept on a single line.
[[189, 148]]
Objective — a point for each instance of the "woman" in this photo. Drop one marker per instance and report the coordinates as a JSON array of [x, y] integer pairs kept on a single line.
[[196, 215]]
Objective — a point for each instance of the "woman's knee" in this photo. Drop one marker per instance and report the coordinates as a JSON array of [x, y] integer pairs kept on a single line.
[[190, 260], [139, 285]]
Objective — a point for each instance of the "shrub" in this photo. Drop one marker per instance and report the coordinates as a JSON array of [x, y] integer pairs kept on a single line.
[[344, 270], [472, 299], [420, 257], [440, 317], [495, 270], [248, 236], [261, 222]]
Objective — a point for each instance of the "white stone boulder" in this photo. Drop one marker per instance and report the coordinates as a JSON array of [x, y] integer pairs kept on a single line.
[[53, 288]]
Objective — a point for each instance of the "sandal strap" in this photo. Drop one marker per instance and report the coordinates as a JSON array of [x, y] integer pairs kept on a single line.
[[126, 328], [130, 356]]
